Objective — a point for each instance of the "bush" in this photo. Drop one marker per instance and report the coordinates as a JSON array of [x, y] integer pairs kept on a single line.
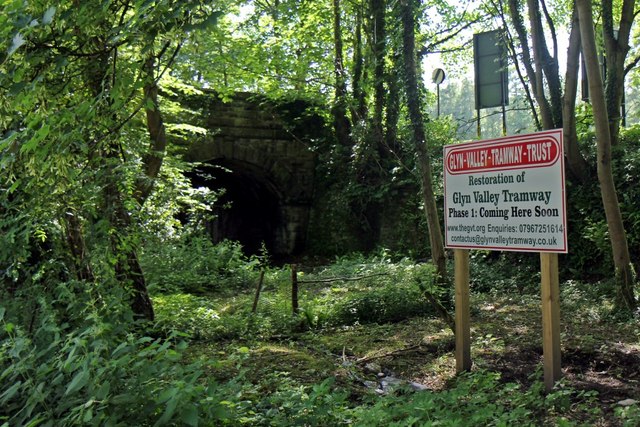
[[299, 405], [384, 292], [504, 272], [387, 291], [98, 373], [474, 399], [477, 398], [189, 314], [629, 415], [390, 303], [194, 264], [589, 254]]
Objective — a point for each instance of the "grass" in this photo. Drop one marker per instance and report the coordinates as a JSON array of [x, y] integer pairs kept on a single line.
[[277, 353]]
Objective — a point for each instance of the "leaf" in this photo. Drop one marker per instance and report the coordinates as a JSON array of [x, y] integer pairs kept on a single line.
[[40, 235], [79, 380], [10, 392], [37, 138], [14, 186], [35, 422], [18, 40], [103, 391], [47, 18], [209, 21], [189, 416], [88, 416], [9, 327], [168, 413], [168, 394]]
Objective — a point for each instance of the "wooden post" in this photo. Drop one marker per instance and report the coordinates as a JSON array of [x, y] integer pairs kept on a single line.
[[294, 289], [550, 318], [463, 331], [258, 289]]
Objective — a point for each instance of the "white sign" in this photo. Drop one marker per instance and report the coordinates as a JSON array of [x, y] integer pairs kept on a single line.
[[506, 194]]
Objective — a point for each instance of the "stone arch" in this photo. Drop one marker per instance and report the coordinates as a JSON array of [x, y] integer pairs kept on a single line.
[[269, 176], [250, 209]]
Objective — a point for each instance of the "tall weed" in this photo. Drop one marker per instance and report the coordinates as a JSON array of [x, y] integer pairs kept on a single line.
[[97, 371]]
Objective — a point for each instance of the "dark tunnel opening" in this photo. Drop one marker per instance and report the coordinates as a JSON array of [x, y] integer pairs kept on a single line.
[[248, 211]]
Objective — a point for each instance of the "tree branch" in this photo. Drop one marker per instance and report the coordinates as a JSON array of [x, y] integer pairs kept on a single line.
[[631, 65]]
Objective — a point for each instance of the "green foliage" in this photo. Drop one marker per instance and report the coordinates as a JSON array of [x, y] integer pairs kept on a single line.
[[196, 316], [215, 319], [589, 254], [176, 198], [97, 373], [387, 291], [493, 272], [194, 264], [477, 398], [627, 171], [262, 48], [343, 194], [293, 404], [629, 415], [383, 292], [385, 304], [225, 313]]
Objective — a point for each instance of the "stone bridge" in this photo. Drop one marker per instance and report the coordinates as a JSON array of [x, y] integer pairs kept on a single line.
[[259, 152]]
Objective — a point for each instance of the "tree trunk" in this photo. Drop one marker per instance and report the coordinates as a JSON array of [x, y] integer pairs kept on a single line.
[[126, 267], [295, 306], [419, 137], [393, 111], [379, 51], [360, 110], [549, 62], [576, 162], [341, 123], [542, 70], [419, 142], [525, 86], [540, 58], [534, 74], [617, 235], [152, 161], [77, 247], [616, 44], [556, 109]]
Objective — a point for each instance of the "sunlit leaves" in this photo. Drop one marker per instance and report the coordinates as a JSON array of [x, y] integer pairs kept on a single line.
[[17, 41], [48, 15], [72, 111], [283, 48]]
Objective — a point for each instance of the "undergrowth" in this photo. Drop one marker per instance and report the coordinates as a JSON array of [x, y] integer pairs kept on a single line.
[[352, 291], [83, 361]]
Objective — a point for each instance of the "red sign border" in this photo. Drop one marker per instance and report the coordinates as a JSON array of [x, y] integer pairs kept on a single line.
[[483, 144]]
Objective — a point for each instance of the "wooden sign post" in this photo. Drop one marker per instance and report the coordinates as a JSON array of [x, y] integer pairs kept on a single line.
[[463, 328], [508, 194], [550, 319]]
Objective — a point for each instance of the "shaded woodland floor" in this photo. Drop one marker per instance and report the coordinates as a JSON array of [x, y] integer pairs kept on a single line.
[[598, 354]]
